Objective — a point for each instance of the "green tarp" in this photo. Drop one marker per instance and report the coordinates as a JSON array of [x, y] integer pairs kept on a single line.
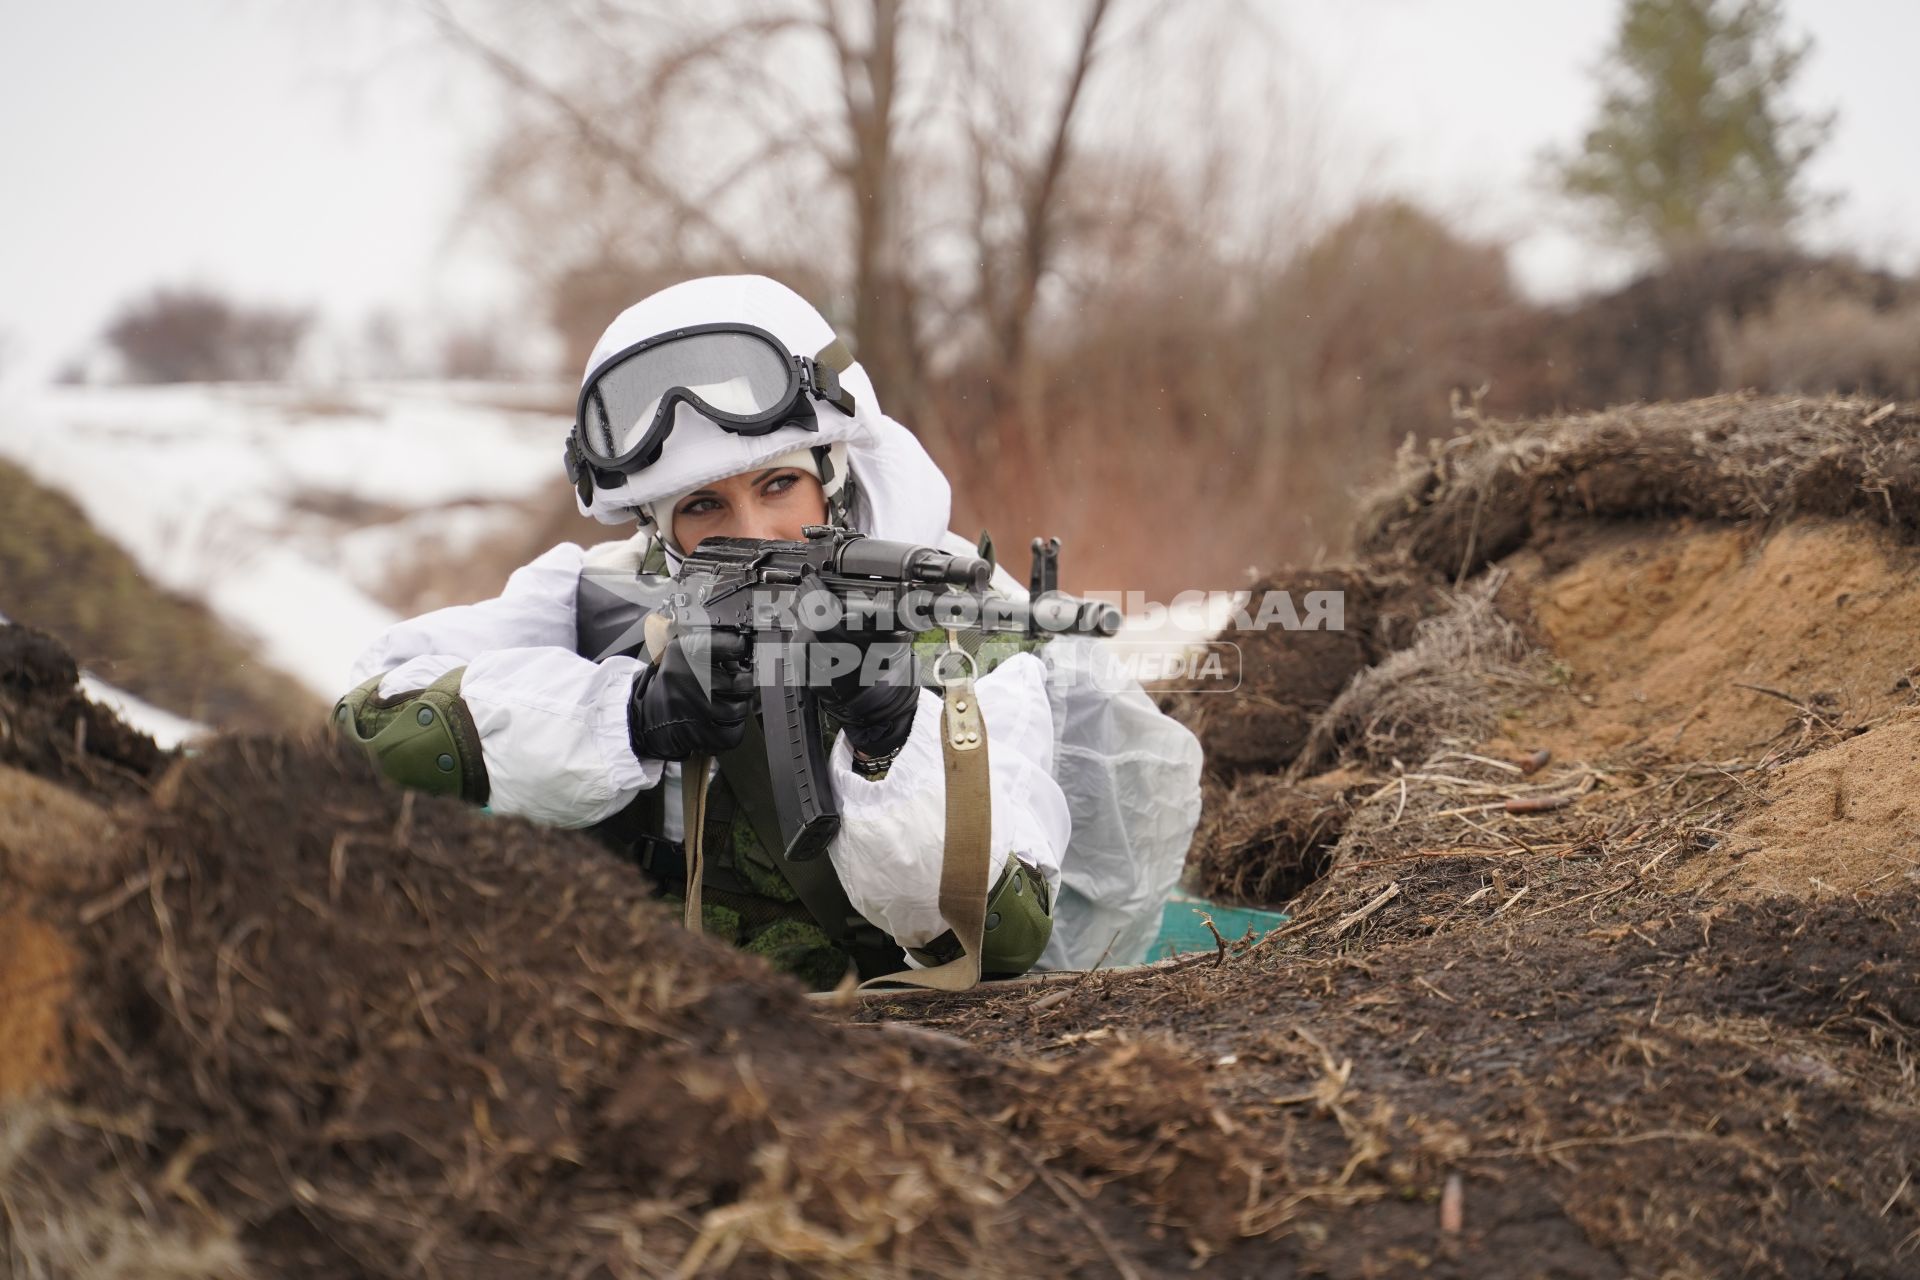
[[1183, 927]]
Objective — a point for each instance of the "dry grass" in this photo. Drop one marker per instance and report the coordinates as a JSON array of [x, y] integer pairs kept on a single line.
[[1439, 691], [1466, 840], [1263, 840], [1461, 504], [104, 1231]]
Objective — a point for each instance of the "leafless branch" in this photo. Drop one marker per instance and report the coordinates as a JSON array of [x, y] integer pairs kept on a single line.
[[590, 132]]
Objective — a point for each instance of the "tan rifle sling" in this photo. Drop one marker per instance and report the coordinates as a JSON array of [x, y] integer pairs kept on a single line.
[[967, 860]]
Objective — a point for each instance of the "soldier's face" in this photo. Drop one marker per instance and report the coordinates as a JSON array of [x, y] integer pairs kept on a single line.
[[774, 503]]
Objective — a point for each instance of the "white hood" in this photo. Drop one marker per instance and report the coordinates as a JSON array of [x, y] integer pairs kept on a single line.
[[904, 496]]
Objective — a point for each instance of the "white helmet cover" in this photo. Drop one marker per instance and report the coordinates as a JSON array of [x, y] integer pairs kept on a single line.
[[901, 492]]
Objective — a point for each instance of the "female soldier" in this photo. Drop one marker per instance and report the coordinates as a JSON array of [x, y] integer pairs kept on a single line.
[[725, 406]]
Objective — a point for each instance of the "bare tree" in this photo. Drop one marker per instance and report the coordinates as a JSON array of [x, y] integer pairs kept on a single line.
[[802, 133], [1010, 276], [869, 74], [1047, 229]]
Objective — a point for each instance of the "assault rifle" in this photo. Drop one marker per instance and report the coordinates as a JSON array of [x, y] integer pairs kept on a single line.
[[767, 591]]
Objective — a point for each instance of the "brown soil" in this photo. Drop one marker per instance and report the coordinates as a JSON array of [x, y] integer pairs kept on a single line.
[[1839, 821], [1672, 636], [1289, 678], [48, 728], [1686, 1091], [35, 982]]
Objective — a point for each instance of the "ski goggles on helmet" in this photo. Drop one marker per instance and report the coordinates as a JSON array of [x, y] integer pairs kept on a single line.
[[742, 378]]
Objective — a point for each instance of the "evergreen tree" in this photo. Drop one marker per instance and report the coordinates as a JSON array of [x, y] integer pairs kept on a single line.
[[1695, 143]]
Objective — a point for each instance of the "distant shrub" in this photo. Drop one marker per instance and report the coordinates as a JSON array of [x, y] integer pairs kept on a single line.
[[474, 352], [197, 335], [1814, 341], [1251, 401], [1663, 335]]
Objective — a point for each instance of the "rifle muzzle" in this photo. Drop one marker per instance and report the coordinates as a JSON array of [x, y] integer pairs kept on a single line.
[[909, 562]]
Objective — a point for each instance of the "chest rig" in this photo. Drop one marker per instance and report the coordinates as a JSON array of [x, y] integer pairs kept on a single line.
[[796, 914]]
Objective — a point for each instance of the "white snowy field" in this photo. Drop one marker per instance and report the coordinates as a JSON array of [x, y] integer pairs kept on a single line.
[[283, 507]]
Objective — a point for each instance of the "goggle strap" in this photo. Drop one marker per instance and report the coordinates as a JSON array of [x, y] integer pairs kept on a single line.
[[833, 360], [822, 383], [578, 469], [835, 356]]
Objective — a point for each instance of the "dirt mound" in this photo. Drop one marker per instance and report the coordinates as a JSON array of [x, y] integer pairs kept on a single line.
[[57, 750], [48, 728], [1290, 678], [1466, 502], [1707, 641], [1843, 820], [319, 1027], [1264, 839], [1593, 720], [1429, 695], [1651, 628], [58, 572]]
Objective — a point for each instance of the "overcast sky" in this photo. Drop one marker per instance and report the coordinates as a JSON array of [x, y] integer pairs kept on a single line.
[[318, 154]]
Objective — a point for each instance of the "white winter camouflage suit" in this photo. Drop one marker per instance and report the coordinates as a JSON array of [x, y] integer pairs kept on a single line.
[[1091, 783]]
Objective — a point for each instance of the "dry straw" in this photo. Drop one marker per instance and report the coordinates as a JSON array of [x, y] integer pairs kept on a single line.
[[1462, 503]]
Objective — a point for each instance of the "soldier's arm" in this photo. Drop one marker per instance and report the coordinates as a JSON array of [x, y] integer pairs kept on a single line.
[[489, 701]]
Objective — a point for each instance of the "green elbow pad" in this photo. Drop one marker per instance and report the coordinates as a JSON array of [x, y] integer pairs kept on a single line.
[[423, 738], [1019, 922]]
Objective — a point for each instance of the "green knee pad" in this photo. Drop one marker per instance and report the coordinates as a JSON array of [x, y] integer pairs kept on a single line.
[[1019, 922], [423, 738]]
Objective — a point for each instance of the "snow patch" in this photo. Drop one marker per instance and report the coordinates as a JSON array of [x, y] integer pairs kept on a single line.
[[284, 507]]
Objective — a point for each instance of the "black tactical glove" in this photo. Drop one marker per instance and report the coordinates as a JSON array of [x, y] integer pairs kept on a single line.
[[670, 717], [875, 701]]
